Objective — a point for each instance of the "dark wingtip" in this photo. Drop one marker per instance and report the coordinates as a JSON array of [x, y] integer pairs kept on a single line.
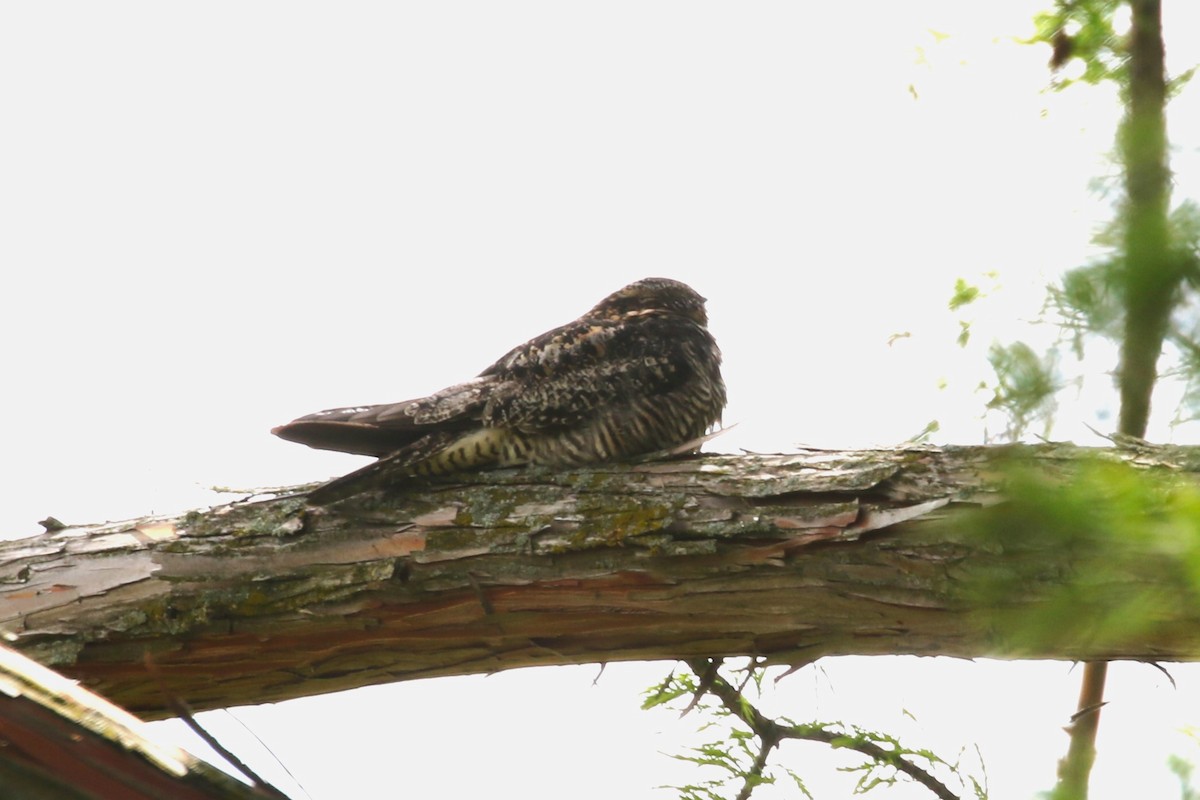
[[372, 476], [329, 493], [346, 437], [293, 431]]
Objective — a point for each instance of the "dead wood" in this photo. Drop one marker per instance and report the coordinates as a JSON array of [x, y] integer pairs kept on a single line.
[[788, 557]]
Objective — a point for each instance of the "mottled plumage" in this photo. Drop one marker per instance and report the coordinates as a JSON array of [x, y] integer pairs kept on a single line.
[[637, 374]]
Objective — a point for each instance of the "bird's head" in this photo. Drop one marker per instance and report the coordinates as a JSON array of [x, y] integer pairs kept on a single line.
[[653, 294]]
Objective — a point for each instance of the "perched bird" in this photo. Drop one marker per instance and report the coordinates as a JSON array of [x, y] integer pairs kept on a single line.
[[637, 374]]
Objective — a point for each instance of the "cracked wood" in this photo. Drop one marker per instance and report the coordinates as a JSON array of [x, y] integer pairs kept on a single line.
[[789, 557]]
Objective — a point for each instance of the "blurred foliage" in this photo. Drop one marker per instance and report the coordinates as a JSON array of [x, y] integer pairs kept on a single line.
[[1185, 768], [964, 294], [1133, 537], [931, 427], [1089, 45], [1026, 386], [1089, 33], [1087, 299], [1083, 30], [1133, 540], [1088, 302]]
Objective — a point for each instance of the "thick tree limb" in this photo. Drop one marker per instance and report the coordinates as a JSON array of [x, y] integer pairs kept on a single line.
[[787, 557]]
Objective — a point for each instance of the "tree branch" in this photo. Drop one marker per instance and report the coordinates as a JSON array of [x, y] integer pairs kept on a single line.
[[788, 558], [771, 733]]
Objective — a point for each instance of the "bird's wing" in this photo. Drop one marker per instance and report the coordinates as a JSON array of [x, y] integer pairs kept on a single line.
[[561, 380], [569, 375], [379, 430], [384, 471]]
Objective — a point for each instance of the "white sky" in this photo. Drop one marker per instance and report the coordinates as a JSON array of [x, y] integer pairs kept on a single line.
[[216, 217]]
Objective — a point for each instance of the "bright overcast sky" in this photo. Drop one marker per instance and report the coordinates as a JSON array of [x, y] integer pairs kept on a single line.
[[219, 216]]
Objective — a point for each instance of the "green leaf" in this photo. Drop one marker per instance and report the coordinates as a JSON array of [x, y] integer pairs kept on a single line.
[[964, 294]]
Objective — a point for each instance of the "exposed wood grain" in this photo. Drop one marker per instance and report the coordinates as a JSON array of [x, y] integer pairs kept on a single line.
[[790, 557]]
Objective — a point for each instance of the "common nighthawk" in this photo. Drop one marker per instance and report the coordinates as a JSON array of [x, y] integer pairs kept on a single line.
[[638, 374]]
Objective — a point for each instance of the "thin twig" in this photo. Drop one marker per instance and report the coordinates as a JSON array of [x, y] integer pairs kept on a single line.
[[754, 776], [1163, 670], [772, 733], [184, 712], [1083, 712], [875, 752], [707, 673], [258, 739]]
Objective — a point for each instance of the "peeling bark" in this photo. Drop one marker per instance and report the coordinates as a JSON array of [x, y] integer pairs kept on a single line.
[[788, 557]]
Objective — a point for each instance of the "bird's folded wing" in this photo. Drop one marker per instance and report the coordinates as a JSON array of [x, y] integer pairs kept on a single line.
[[382, 429], [568, 378]]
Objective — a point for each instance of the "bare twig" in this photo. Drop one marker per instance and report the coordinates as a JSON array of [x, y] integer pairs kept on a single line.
[[772, 733], [181, 710], [707, 673]]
